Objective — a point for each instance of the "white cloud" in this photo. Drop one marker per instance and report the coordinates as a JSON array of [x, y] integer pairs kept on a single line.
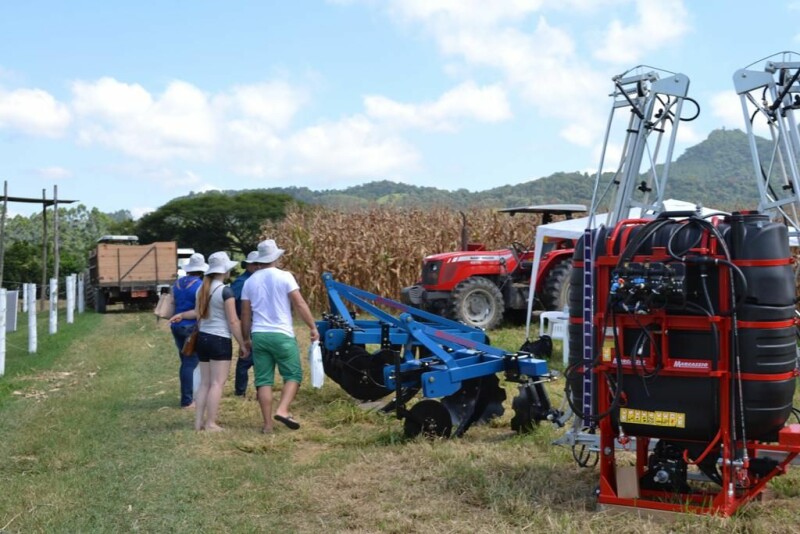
[[352, 147], [658, 24], [34, 112], [271, 105], [248, 128], [467, 12], [54, 173], [538, 60], [578, 134], [726, 107], [688, 135], [466, 101], [177, 123], [138, 212]]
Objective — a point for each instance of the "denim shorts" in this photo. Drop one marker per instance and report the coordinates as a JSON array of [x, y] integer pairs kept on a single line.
[[210, 347]]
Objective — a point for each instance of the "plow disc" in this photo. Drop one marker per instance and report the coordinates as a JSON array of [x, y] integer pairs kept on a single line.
[[357, 371], [478, 401], [430, 418]]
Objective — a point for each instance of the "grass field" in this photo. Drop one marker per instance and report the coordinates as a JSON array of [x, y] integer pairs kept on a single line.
[[92, 440]]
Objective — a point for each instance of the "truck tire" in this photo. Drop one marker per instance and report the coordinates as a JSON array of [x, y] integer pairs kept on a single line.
[[99, 301], [555, 289], [477, 302]]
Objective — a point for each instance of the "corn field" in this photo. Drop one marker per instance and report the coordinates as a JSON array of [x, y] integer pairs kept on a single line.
[[381, 249]]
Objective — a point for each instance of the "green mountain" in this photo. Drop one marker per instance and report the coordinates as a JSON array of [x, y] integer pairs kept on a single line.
[[716, 172]]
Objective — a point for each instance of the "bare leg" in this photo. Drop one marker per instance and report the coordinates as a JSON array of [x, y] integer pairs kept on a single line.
[[219, 374], [201, 396], [264, 394], [287, 396]]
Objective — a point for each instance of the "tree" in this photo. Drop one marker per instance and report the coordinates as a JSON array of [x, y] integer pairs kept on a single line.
[[214, 221], [78, 229]]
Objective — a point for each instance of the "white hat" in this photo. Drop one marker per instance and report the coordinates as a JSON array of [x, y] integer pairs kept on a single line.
[[268, 252], [219, 263], [196, 264], [251, 258]]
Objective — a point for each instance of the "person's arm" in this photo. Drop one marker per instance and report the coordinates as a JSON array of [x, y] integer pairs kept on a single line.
[[299, 304], [188, 314], [235, 325], [247, 323]]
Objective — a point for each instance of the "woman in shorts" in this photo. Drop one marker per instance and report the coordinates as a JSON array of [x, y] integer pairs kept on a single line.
[[218, 321]]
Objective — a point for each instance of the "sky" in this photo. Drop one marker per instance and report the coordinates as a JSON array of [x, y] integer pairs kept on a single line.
[[127, 105]]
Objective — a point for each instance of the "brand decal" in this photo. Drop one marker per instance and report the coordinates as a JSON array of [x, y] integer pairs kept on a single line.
[[644, 417], [683, 364], [493, 257]]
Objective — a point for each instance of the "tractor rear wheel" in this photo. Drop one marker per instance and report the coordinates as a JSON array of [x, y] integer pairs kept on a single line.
[[555, 290], [477, 302]]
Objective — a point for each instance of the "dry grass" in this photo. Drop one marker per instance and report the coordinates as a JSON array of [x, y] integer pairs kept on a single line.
[[112, 452], [382, 248]]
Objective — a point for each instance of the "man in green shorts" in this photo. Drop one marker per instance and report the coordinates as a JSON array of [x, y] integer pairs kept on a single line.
[[268, 298]]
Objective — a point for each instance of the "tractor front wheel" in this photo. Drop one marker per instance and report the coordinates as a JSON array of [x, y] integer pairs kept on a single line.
[[477, 302]]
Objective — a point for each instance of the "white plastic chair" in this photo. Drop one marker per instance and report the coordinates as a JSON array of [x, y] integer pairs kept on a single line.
[[555, 324]]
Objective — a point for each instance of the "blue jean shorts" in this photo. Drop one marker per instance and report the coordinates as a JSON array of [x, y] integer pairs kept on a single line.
[[211, 347]]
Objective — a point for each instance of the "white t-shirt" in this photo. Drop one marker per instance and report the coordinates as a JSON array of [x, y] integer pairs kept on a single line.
[[268, 292]]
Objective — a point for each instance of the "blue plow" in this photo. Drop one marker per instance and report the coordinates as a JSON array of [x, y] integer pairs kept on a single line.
[[409, 351]]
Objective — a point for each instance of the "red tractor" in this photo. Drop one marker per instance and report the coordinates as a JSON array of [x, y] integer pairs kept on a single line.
[[476, 286]]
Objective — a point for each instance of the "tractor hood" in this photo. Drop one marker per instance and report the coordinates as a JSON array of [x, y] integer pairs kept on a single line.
[[473, 256]]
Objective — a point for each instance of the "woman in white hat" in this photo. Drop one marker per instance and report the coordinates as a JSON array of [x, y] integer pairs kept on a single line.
[[217, 322], [184, 292]]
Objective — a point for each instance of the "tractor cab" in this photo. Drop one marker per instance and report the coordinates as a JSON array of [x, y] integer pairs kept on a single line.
[[547, 211]]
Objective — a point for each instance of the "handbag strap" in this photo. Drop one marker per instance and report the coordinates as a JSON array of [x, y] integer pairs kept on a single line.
[[209, 304]]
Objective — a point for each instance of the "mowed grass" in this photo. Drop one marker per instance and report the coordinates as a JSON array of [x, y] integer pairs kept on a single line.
[[92, 440]]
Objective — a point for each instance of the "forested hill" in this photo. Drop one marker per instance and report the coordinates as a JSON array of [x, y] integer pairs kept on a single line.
[[717, 172]]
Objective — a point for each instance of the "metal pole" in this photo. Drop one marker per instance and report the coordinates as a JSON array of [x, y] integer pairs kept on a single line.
[[31, 318], [44, 246], [56, 237], [3, 231]]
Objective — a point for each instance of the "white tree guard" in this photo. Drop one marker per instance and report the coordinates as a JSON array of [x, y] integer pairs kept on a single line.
[[70, 299], [53, 306], [31, 318], [3, 302], [81, 294]]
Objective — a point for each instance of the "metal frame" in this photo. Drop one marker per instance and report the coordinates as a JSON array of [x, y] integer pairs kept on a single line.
[[437, 356], [773, 95], [454, 352]]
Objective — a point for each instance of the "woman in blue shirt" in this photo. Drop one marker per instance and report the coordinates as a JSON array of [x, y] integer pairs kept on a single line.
[[184, 291]]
